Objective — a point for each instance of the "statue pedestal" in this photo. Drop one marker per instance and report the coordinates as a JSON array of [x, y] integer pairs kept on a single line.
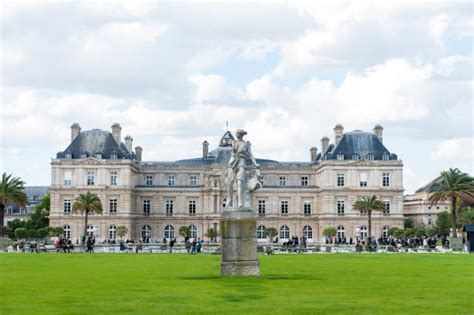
[[239, 243]]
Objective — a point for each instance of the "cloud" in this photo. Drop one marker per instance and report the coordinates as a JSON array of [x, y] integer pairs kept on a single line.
[[452, 149]]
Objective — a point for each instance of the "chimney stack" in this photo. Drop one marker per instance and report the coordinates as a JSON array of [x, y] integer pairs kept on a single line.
[[138, 152], [128, 143], [75, 130], [314, 152], [338, 133], [378, 131], [205, 148], [117, 133], [324, 144]]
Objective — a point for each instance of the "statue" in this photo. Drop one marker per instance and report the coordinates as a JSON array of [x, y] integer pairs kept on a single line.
[[246, 176]]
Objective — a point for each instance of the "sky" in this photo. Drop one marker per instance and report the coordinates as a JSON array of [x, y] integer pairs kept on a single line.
[[173, 73]]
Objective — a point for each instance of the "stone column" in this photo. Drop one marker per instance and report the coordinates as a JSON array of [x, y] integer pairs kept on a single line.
[[239, 243]]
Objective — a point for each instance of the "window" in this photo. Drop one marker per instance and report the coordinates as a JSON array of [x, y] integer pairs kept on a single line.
[[67, 205], [429, 219], [193, 180], [169, 232], [363, 179], [192, 208], [340, 180], [363, 231], [90, 230], [308, 232], [304, 181], [112, 232], [284, 232], [370, 157], [67, 178], [340, 157], [261, 207], [364, 213], [385, 231], [98, 156], [261, 179], [113, 206], [113, 156], [83, 156], [385, 179], [307, 208], [113, 178], [224, 202], [341, 232], [284, 208], [68, 156], [282, 181], [171, 180], [148, 180], [146, 233], [340, 207], [386, 207], [262, 232], [193, 231], [67, 231], [90, 178], [146, 206], [355, 157], [169, 208], [385, 157]]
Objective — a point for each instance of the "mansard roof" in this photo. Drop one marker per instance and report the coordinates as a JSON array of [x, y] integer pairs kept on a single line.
[[96, 141], [426, 188]]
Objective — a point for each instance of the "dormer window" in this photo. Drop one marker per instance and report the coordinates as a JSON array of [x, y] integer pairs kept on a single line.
[[340, 157], [84, 156], [355, 156], [68, 156], [385, 157], [370, 157], [98, 156], [113, 156]]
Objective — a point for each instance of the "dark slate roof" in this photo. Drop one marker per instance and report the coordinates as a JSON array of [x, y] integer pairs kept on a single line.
[[468, 228], [96, 141], [426, 188], [358, 143]]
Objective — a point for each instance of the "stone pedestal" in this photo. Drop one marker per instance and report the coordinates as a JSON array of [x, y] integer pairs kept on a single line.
[[239, 243]]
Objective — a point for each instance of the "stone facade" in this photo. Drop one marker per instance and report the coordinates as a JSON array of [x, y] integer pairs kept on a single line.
[[153, 199], [34, 195]]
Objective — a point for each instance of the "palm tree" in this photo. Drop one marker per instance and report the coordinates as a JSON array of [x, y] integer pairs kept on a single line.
[[11, 190], [369, 204], [87, 203], [453, 185]]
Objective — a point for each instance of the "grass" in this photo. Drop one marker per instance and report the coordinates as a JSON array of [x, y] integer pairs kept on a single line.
[[290, 284]]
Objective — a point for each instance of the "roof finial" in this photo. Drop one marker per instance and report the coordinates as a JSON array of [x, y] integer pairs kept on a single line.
[[226, 128]]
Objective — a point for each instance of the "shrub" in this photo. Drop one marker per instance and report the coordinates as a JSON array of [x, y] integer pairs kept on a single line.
[[20, 233]]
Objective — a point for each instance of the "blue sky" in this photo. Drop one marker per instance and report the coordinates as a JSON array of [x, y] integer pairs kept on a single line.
[[173, 73]]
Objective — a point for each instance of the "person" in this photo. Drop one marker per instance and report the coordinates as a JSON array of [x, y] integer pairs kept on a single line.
[[139, 247], [198, 245], [172, 241], [194, 246], [122, 246]]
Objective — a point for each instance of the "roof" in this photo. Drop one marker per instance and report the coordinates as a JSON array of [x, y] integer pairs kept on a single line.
[[96, 141], [468, 228], [426, 188]]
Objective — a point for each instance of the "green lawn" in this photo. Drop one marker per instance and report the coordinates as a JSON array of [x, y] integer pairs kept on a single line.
[[290, 284]]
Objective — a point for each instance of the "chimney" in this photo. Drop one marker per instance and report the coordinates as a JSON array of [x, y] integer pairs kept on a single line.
[[314, 152], [338, 133], [128, 143], [75, 130], [378, 131], [324, 144], [117, 133], [205, 148], [138, 152]]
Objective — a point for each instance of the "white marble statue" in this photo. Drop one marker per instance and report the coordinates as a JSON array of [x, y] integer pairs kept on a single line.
[[246, 176]]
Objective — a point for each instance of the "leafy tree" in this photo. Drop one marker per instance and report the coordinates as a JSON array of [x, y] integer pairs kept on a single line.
[[31, 233], [212, 234], [420, 232], [122, 231], [409, 233], [271, 232], [12, 226], [467, 216], [87, 203], [408, 223], [432, 232], [11, 190], [443, 223], [42, 232], [369, 204], [20, 233], [185, 231], [330, 231], [399, 234], [58, 231], [454, 185], [393, 231]]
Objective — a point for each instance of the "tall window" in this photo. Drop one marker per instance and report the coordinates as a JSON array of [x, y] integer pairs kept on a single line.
[[355, 156], [169, 231], [113, 156], [261, 207], [112, 232], [340, 207], [386, 207], [146, 206], [385, 179], [148, 180], [363, 179], [282, 181], [169, 208], [341, 232], [304, 181], [308, 232], [363, 231], [113, 205], [340, 157], [193, 231], [90, 178], [67, 205], [171, 180], [90, 230], [307, 208], [385, 157], [113, 178], [340, 180], [284, 232], [146, 232], [67, 178], [193, 180], [284, 207], [67, 231], [385, 231], [261, 179], [83, 156], [192, 208], [370, 157], [68, 156], [261, 232]]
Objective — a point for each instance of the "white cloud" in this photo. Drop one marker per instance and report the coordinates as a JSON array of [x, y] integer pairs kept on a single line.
[[452, 149]]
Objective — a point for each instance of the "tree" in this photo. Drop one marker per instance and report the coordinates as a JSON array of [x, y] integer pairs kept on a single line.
[[393, 231], [185, 231], [467, 216], [408, 223], [420, 231], [330, 231], [443, 223], [409, 233], [271, 233], [20, 233], [122, 231], [369, 204], [211, 233], [11, 190], [453, 186], [87, 203]]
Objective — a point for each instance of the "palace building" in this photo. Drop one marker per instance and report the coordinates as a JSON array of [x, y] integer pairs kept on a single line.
[[153, 199]]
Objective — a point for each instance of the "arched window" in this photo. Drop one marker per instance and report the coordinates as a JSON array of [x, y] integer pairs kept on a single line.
[[308, 232], [146, 232], [341, 231], [112, 232], [385, 231], [90, 230], [169, 231], [193, 231], [67, 232], [363, 231], [261, 232], [284, 232]]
